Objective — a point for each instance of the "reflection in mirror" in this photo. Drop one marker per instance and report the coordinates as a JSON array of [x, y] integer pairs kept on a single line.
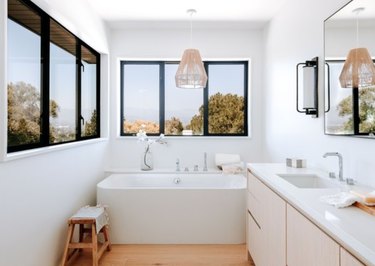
[[350, 81]]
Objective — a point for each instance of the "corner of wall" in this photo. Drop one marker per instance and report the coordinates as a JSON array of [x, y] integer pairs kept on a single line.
[[3, 85]]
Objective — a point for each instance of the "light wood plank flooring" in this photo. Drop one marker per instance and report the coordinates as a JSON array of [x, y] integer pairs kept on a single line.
[[176, 255]]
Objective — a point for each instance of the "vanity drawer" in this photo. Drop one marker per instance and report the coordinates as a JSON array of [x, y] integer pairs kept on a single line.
[[257, 192], [254, 186], [254, 240]]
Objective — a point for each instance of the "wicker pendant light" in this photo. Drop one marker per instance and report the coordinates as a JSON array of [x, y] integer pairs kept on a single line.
[[191, 73], [359, 69]]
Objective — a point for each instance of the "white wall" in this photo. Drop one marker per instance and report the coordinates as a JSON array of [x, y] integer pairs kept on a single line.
[[293, 36], [40, 192], [169, 43]]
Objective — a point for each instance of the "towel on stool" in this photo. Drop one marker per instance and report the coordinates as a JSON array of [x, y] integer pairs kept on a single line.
[[340, 200], [97, 212], [226, 158]]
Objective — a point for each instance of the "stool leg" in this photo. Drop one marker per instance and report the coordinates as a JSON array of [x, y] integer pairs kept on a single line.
[[69, 239], [81, 232], [106, 237], [94, 245], [80, 235]]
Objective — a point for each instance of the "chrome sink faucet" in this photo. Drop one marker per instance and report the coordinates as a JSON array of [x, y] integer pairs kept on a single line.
[[341, 175], [205, 162]]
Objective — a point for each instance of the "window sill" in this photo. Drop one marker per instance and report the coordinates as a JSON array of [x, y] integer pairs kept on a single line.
[[34, 152], [190, 137]]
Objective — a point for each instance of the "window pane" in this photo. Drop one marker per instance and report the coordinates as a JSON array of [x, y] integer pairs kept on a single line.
[[140, 98], [23, 67], [226, 103], [183, 107], [88, 93], [62, 84], [366, 110], [339, 119]]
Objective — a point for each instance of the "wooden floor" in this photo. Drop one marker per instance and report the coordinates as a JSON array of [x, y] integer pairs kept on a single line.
[[178, 255]]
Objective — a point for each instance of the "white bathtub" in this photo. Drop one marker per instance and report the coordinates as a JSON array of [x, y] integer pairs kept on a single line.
[[175, 208]]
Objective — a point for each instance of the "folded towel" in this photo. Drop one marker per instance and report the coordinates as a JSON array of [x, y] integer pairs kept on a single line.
[[340, 200], [367, 198], [97, 212], [226, 158], [237, 168]]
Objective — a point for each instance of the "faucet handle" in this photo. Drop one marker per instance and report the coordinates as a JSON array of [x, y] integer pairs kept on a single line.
[[178, 165], [351, 181], [332, 175], [196, 168]]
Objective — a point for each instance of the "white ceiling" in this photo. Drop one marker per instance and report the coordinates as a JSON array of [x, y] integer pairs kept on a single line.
[[231, 11], [347, 12]]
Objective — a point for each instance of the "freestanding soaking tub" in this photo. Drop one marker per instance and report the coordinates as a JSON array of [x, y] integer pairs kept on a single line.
[[175, 208]]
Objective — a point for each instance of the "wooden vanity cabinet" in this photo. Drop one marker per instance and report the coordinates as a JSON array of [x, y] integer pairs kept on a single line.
[[265, 224], [348, 259], [278, 234], [307, 244]]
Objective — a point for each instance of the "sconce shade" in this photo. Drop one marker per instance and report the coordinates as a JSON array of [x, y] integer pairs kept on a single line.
[[191, 73], [358, 70]]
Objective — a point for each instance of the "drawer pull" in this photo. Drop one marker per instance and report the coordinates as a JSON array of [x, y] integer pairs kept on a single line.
[[254, 219]]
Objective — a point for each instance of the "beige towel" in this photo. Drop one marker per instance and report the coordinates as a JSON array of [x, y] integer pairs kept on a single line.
[[237, 168]]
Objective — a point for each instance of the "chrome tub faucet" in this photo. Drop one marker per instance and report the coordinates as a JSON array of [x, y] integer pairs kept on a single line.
[[178, 169], [205, 162]]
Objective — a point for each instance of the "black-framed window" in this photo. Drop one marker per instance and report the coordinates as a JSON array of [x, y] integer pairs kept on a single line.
[[53, 81], [351, 111], [151, 101]]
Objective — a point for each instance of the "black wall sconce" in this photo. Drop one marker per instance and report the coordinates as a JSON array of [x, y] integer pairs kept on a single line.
[[310, 87]]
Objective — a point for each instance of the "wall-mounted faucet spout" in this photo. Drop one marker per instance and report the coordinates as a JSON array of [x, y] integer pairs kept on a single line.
[[341, 174]]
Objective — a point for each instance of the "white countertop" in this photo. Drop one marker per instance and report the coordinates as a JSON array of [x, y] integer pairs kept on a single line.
[[351, 227]]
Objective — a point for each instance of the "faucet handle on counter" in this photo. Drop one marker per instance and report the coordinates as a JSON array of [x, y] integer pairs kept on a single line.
[[351, 181], [332, 175]]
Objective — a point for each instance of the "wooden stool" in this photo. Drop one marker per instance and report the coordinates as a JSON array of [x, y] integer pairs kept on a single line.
[[93, 245]]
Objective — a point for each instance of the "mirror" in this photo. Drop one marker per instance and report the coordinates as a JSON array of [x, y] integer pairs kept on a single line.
[[350, 99]]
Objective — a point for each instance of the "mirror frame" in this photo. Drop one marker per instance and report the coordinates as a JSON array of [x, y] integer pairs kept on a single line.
[[327, 86]]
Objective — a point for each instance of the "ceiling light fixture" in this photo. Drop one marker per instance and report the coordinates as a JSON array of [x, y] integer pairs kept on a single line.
[[191, 73], [359, 69]]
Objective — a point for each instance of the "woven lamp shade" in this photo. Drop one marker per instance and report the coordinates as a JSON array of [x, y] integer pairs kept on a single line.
[[191, 73], [358, 70]]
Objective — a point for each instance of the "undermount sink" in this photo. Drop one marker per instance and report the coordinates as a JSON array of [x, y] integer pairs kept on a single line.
[[308, 181]]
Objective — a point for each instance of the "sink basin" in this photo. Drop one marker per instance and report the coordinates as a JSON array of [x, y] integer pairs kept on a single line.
[[308, 181]]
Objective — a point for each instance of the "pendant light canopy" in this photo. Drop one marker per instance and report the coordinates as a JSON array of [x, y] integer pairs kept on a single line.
[[191, 73], [359, 69]]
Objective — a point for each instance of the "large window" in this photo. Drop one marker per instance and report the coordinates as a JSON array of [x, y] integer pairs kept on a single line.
[[53, 88], [150, 99]]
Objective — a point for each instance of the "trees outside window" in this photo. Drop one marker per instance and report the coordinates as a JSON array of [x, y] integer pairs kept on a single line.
[[53, 88], [218, 110]]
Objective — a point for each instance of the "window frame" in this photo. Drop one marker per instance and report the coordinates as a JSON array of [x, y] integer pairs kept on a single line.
[[45, 42], [205, 96]]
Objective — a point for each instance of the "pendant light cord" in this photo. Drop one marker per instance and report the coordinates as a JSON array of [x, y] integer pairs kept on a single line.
[[191, 12], [357, 11], [191, 30], [357, 31]]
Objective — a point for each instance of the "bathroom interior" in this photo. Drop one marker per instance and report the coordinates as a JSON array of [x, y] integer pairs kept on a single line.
[[44, 183]]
